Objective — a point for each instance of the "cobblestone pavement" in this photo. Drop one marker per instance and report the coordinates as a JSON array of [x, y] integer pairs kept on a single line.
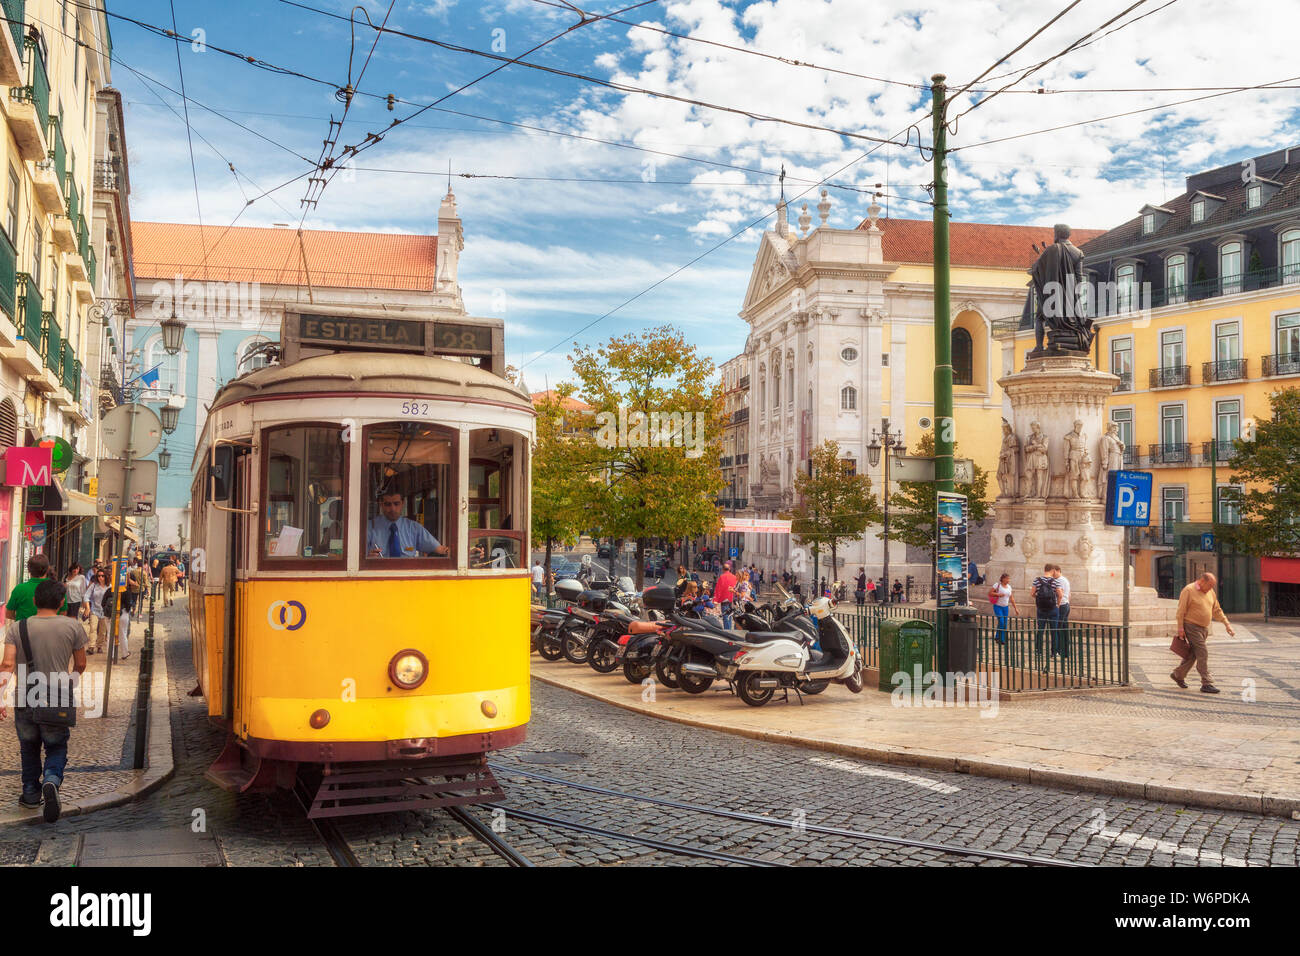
[[577, 738]]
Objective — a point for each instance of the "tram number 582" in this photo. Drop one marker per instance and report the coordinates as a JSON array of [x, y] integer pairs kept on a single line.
[[415, 408]]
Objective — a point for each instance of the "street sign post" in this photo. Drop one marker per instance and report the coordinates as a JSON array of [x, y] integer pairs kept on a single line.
[[1128, 505], [914, 468]]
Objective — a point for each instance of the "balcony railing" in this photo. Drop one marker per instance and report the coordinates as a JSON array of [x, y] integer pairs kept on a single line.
[[71, 379], [29, 305], [744, 381], [1227, 285], [1171, 453], [1162, 533], [83, 239], [1125, 381], [51, 344], [58, 150], [1285, 363], [742, 459], [106, 175], [13, 10], [1224, 370], [1219, 451], [726, 461], [1170, 376], [740, 415], [8, 277], [1131, 457], [74, 200], [37, 90], [740, 503], [92, 265]]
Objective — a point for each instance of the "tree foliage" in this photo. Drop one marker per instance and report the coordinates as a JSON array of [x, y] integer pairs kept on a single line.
[[834, 507], [913, 513], [559, 491], [650, 482], [1268, 465]]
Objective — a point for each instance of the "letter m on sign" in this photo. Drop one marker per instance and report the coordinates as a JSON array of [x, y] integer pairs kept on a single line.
[[28, 466]]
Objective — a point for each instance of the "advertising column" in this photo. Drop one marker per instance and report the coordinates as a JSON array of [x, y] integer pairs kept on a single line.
[[950, 551]]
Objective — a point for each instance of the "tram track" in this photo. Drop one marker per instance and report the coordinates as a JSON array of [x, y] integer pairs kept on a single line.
[[326, 829], [864, 836]]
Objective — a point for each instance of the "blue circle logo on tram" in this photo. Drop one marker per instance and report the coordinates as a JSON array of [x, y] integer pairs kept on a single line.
[[277, 615]]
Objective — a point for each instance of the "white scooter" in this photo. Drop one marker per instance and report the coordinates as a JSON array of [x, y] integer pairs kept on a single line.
[[791, 663]]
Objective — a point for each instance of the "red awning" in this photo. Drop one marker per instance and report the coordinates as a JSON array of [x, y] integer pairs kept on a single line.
[[1280, 570]]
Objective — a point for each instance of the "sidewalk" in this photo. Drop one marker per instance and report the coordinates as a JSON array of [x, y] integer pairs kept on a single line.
[[100, 753], [1237, 750]]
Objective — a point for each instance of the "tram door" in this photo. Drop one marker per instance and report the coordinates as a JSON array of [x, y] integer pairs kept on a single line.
[[244, 533]]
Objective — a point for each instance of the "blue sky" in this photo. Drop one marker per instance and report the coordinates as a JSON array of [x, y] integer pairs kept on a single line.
[[552, 256]]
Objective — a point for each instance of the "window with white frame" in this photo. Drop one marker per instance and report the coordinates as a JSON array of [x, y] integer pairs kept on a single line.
[[1176, 279], [848, 399], [1254, 195], [1288, 337], [1125, 287], [1227, 346], [1198, 211], [250, 357], [1172, 430], [1230, 504], [170, 367], [1291, 256], [1173, 508], [1148, 223], [1230, 267], [1123, 417]]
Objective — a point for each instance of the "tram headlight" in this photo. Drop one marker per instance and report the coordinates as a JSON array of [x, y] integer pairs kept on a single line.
[[408, 669]]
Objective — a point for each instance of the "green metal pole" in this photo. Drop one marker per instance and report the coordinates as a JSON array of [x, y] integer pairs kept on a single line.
[[945, 436]]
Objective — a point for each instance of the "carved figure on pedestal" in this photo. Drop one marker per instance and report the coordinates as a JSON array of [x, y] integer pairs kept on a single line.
[[1110, 454], [1075, 449], [1037, 468], [1087, 487], [1009, 462]]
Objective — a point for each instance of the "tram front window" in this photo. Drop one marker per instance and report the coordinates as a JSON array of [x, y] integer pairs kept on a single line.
[[305, 477], [496, 470], [409, 470]]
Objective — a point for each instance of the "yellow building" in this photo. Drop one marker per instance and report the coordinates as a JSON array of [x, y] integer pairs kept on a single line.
[[1197, 306], [842, 339], [54, 58]]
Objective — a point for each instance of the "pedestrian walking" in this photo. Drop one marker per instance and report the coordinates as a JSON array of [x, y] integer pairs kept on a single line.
[[724, 592], [169, 573], [1198, 605], [135, 583], [22, 599], [1047, 598], [539, 582], [1062, 612], [74, 584], [1004, 602], [98, 616], [860, 592], [43, 716]]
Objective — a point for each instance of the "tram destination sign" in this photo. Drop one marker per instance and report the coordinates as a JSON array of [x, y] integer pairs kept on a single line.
[[362, 332]]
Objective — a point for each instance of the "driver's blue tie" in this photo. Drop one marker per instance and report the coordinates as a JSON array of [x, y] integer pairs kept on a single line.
[[394, 545]]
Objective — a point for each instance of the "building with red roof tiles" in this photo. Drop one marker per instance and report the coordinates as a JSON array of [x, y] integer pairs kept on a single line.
[[842, 343]]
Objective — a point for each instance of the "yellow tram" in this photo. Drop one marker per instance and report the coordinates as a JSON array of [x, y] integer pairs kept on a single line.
[[360, 607]]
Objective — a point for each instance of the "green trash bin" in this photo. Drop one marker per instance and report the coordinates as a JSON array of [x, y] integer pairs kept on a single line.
[[904, 644]]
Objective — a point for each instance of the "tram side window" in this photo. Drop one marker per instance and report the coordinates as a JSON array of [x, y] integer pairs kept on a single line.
[[496, 467], [306, 473], [410, 472]]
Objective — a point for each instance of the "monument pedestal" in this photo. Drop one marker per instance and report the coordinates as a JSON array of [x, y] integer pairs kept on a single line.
[[1058, 518]]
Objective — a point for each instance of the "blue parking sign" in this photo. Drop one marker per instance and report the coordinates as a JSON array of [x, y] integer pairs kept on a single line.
[[735, 553], [1128, 499]]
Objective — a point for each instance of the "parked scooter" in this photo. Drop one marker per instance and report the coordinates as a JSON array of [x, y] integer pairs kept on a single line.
[[790, 662]]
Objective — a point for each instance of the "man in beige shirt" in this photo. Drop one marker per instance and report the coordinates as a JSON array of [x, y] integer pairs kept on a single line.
[[1198, 605]]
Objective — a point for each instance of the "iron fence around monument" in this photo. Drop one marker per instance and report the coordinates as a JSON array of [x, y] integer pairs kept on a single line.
[[1026, 655]]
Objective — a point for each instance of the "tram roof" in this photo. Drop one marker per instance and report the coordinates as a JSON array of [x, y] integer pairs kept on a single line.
[[371, 372]]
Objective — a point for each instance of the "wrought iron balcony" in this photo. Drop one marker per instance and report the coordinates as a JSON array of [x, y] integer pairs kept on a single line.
[[106, 175], [1226, 285], [740, 504], [1131, 456], [742, 459], [1171, 376], [1125, 381], [740, 415], [1285, 363], [1171, 453], [744, 381], [1219, 451], [1224, 370], [726, 461]]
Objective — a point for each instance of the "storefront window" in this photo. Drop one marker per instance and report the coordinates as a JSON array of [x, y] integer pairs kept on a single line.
[[305, 500], [410, 489]]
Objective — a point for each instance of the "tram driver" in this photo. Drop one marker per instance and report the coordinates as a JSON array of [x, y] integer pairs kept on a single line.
[[393, 535]]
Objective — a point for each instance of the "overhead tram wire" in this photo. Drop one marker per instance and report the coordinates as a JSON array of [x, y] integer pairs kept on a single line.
[[608, 84], [744, 229], [1038, 66], [1024, 43], [189, 138], [1146, 109]]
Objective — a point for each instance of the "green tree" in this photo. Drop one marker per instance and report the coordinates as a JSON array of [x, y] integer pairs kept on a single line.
[[1269, 460], [653, 454], [558, 485], [834, 506], [913, 508]]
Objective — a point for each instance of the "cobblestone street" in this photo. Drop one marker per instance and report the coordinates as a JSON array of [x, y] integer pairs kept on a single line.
[[578, 739]]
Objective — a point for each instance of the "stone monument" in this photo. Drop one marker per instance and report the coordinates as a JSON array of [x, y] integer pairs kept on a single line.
[[1050, 508]]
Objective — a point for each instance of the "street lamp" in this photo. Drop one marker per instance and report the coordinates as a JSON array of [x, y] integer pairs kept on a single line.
[[892, 443], [164, 458], [173, 333], [171, 416]]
